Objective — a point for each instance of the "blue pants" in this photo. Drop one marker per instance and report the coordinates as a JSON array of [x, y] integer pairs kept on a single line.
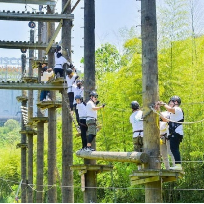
[[61, 71], [175, 140], [43, 94]]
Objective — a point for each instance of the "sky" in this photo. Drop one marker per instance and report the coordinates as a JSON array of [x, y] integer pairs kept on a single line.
[[111, 16]]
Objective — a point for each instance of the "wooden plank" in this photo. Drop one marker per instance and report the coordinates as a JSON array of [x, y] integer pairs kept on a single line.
[[49, 104], [97, 167], [21, 98], [30, 79], [39, 2], [52, 40], [159, 172], [11, 16], [22, 145], [145, 180], [24, 45], [34, 132], [31, 86]]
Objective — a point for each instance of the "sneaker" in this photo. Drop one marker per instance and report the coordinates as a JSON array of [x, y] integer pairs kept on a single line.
[[49, 99], [44, 100], [88, 149], [176, 167]]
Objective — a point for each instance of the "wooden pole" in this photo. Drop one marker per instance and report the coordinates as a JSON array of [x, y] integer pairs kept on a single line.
[[23, 140], [30, 136], [40, 133], [133, 157], [89, 85], [153, 191], [52, 192], [67, 132]]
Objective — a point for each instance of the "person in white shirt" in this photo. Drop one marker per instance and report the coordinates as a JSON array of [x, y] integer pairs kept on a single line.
[[175, 127], [164, 142], [71, 81], [91, 118], [78, 89], [59, 62], [81, 107], [45, 75], [137, 126]]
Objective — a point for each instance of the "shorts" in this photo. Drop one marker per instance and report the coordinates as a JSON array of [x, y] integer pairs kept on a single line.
[[91, 124], [138, 143]]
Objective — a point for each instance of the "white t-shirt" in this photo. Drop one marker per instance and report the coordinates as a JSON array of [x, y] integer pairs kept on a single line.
[[77, 91], [90, 112], [82, 110], [60, 61], [46, 75], [164, 127], [71, 83], [178, 115], [137, 123]]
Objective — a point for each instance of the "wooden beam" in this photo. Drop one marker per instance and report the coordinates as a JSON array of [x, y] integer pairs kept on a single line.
[[52, 40], [24, 45], [39, 2], [133, 157], [65, 6], [31, 86], [75, 5], [40, 16]]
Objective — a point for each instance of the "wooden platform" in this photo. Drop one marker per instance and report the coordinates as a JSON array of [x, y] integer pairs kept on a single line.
[[59, 80], [83, 168], [30, 79], [22, 145], [49, 104], [21, 98], [34, 132], [24, 45], [39, 2], [22, 85], [148, 176], [33, 121], [31, 16]]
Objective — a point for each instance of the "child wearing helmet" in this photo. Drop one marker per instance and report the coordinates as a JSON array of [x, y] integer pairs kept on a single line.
[[175, 127], [78, 89], [91, 118], [81, 107], [137, 126], [71, 79], [59, 62]]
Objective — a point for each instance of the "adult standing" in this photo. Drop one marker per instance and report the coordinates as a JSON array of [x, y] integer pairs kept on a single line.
[[175, 127]]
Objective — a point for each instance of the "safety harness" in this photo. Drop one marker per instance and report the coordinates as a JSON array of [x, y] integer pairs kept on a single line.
[[174, 125]]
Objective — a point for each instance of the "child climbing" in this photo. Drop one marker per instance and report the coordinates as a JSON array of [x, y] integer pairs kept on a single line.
[[45, 75], [91, 119], [81, 107]]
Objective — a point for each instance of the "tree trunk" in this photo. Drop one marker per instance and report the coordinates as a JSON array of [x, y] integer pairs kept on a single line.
[[150, 95]]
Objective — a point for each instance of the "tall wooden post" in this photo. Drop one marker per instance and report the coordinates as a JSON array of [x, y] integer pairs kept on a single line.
[[23, 140], [89, 85], [52, 192], [150, 95], [40, 133], [67, 132], [30, 136]]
